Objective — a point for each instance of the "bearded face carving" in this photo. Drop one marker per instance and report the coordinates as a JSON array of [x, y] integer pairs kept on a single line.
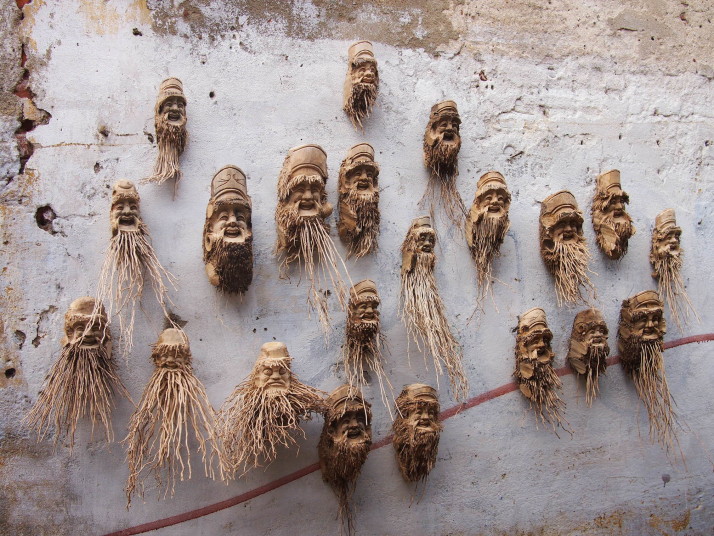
[[228, 232], [416, 431], [589, 349], [359, 200], [487, 224], [303, 233], [173, 405], [442, 142], [363, 340], [361, 83], [640, 341], [534, 372], [129, 259], [344, 445], [83, 379], [265, 411], [563, 247], [612, 224], [666, 260], [422, 309], [171, 135]]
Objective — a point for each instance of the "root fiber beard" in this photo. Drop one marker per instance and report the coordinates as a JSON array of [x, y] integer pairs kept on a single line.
[[425, 319], [644, 362], [366, 209], [416, 450], [233, 263], [307, 238], [359, 104], [129, 258], [595, 364], [254, 421], [341, 462], [363, 350], [487, 236], [171, 141], [668, 271], [174, 403], [81, 383], [568, 262], [442, 159], [540, 388]]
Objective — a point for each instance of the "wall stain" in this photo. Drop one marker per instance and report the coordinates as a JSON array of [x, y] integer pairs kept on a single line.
[[412, 24]]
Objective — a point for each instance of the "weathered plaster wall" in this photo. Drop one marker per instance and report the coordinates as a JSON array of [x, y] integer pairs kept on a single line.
[[550, 94]]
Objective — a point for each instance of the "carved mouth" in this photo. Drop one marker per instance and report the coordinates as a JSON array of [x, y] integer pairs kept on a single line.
[[127, 220], [494, 208], [306, 205], [232, 232], [617, 213], [368, 317], [427, 248], [367, 78], [174, 116], [363, 185], [89, 341], [354, 433]]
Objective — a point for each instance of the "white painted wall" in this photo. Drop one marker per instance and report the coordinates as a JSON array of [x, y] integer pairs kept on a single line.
[[546, 120]]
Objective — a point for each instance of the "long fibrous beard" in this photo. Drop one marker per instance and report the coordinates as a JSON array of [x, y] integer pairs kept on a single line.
[[341, 463], [595, 364], [233, 263], [362, 350], [668, 270], [359, 104], [442, 160], [544, 382], [416, 451], [81, 383], [173, 403], [253, 422], [308, 238], [423, 314], [171, 142], [487, 237], [568, 262], [644, 362], [128, 260], [623, 230], [366, 209]]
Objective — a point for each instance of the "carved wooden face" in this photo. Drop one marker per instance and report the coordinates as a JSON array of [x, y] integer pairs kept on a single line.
[[363, 72], [445, 129], [536, 343], [591, 333], [124, 215], [79, 331], [568, 228], [667, 241], [362, 179], [352, 426], [231, 221], [423, 417], [614, 206], [494, 203], [364, 309], [426, 239], [173, 110], [171, 356], [307, 197], [646, 323], [272, 376]]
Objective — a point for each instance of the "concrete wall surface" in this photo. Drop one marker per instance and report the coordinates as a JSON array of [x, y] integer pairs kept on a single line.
[[550, 93]]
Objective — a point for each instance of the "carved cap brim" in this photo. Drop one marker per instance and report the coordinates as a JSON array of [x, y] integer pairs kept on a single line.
[[343, 394], [646, 298], [665, 218], [310, 156], [419, 391], [124, 189], [531, 318], [366, 286], [588, 315], [172, 337], [557, 202], [274, 350], [609, 179], [360, 49]]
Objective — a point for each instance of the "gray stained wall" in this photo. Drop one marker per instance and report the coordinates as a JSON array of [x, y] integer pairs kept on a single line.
[[550, 94]]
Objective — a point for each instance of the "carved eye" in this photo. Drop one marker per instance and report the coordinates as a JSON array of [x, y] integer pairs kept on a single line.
[[267, 371], [283, 371]]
